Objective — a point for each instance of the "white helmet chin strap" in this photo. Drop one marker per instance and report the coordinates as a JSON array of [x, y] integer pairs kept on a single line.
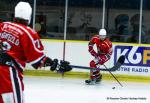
[[102, 37]]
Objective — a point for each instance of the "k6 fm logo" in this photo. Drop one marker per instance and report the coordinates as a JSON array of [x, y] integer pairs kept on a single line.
[[135, 55]]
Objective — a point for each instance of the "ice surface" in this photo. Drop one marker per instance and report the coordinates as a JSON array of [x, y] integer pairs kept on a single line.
[[62, 90]]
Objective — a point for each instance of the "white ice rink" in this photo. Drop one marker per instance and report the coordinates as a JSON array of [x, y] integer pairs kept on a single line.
[[59, 90]]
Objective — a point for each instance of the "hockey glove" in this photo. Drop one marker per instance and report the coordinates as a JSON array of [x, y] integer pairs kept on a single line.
[[64, 66], [54, 65], [46, 61], [96, 60]]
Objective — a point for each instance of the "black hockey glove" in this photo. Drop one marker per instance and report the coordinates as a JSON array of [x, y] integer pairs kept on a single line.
[[64, 66], [46, 61], [54, 65]]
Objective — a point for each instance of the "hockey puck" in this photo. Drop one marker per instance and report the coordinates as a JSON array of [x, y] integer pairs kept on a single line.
[[113, 87]]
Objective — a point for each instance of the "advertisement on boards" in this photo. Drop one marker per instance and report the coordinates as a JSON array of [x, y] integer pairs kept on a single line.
[[137, 59]]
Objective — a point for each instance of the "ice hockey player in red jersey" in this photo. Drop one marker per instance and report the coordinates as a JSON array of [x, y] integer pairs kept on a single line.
[[19, 44], [101, 55]]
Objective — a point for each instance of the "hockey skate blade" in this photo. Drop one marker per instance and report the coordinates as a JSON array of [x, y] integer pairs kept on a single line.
[[92, 83]]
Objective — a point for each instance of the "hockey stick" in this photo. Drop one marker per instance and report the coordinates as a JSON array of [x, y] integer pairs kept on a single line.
[[113, 76], [112, 69]]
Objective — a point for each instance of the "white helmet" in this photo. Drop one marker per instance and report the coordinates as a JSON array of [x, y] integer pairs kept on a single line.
[[102, 32], [23, 10]]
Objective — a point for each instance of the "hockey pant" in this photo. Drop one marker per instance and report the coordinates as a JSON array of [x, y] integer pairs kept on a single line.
[[11, 85], [95, 73]]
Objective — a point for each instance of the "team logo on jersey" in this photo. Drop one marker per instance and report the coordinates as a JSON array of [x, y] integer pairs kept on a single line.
[[135, 55]]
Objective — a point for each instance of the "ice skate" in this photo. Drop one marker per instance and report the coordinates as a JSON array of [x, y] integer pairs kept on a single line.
[[90, 81], [98, 80]]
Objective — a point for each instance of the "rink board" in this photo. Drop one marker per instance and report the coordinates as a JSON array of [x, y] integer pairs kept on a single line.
[[85, 75], [136, 63]]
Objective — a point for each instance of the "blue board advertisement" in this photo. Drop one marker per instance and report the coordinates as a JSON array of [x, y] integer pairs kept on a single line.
[[137, 58]]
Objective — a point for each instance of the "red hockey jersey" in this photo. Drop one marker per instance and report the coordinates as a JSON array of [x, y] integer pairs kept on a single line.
[[103, 46], [21, 42]]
